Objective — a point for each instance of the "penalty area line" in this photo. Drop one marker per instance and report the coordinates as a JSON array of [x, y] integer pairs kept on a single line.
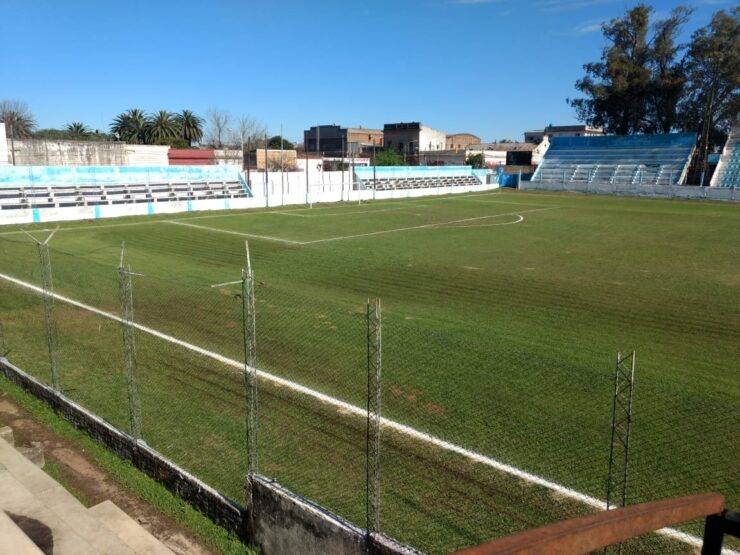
[[349, 408]]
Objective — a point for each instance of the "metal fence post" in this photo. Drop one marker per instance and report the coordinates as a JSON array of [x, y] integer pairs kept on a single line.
[[250, 362], [374, 365], [47, 282], [3, 343], [129, 345]]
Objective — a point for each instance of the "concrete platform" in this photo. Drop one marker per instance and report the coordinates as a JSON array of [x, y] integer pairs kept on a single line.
[[126, 528], [54, 521]]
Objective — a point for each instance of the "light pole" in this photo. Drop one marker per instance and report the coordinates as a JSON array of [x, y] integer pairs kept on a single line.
[[375, 182]]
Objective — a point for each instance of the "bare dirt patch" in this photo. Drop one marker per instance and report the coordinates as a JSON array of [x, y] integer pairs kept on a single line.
[[95, 484]]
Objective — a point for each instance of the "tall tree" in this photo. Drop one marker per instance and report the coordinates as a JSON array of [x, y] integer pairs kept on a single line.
[[712, 100], [18, 119], [668, 78], [130, 126], [76, 129], [191, 126], [638, 82], [218, 127], [275, 142], [161, 126]]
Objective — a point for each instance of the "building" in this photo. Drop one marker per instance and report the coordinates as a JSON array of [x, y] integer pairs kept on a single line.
[[275, 159], [361, 140], [411, 138], [563, 131], [4, 154], [461, 141], [336, 140], [510, 154]]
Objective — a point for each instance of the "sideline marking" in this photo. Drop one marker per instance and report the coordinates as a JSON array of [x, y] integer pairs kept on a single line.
[[229, 232], [343, 406], [91, 227]]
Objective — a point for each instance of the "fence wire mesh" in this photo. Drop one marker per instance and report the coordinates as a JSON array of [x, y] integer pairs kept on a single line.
[[476, 429]]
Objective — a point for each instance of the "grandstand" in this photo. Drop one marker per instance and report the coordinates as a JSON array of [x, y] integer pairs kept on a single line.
[[633, 159], [38, 187], [727, 173], [417, 177]]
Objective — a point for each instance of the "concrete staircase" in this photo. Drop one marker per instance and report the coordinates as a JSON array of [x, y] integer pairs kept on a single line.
[[37, 515]]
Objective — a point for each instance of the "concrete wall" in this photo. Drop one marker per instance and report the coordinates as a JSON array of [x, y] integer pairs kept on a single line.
[[277, 521], [654, 191], [29, 176], [146, 155], [42, 152], [273, 189], [431, 139], [4, 160]]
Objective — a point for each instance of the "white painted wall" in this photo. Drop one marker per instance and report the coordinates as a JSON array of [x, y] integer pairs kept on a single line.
[[4, 154], [431, 139], [147, 155], [290, 190]]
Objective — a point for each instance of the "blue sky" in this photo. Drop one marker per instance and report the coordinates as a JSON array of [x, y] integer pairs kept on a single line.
[[491, 67]]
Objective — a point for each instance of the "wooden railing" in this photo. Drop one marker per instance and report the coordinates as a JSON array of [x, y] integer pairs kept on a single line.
[[592, 532]]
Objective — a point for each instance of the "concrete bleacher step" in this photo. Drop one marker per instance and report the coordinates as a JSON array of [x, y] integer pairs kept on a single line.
[[56, 521], [14, 540], [126, 528]]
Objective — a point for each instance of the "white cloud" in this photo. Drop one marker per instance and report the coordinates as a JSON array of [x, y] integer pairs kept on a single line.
[[472, 2], [564, 5], [586, 28]]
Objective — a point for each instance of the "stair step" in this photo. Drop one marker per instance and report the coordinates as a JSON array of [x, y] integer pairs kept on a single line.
[[6, 433], [14, 540], [32, 497], [126, 528]]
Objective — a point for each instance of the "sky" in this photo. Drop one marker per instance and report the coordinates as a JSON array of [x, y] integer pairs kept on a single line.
[[494, 68]]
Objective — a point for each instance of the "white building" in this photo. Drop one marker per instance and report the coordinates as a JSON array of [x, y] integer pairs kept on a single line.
[[3, 146], [563, 131], [412, 138]]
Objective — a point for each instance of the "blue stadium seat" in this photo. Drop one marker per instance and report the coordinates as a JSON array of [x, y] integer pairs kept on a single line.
[[620, 159]]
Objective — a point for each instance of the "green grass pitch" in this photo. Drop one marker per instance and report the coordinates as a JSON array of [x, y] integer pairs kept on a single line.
[[503, 313]]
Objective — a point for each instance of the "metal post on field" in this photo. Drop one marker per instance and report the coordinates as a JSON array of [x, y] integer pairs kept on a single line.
[[3, 343], [126, 298], [341, 197], [375, 181], [47, 283], [374, 365], [624, 381], [250, 361], [305, 152]]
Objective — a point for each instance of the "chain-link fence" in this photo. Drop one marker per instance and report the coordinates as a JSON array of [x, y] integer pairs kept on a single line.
[[468, 439]]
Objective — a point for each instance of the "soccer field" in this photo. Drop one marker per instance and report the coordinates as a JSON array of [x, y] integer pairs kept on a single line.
[[502, 316]]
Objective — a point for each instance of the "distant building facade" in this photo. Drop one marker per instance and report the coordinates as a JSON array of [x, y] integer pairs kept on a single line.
[[334, 139], [461, 141], [412, 138], [511, 154], [563, 131], [4, 153]]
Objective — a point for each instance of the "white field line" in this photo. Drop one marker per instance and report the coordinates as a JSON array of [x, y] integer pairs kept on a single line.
[[519, 220], [348, 408], [425, 226], [238, 233], [342, 213], [226, 283], [91, 227]]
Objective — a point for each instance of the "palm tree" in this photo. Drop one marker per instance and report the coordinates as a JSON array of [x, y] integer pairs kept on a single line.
[[130, 126], [77, 129], [162, 126], [18, 120], [191, 126]]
